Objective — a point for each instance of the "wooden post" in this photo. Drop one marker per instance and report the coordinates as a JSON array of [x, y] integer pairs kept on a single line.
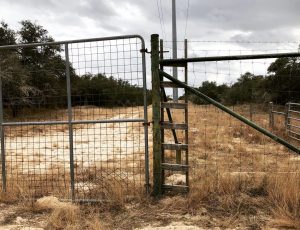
[[271, 115], [287, 117], [157, 152], [251, 111]]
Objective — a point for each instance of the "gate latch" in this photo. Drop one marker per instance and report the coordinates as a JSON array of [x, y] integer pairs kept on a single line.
[[147, 123]]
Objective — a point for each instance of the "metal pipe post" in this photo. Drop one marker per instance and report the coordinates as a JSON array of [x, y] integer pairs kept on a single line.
[[186, 110], [156, 99], [22, 45], [181, 62], [174, 37], [162, 114], [147, 177], [2, 136], [70, 125]]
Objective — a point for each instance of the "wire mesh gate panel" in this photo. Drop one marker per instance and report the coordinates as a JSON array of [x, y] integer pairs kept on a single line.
[[225, 155], [72, 118]]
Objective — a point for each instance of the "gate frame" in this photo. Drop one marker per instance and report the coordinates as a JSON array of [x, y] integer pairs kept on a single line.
[[70, 122]]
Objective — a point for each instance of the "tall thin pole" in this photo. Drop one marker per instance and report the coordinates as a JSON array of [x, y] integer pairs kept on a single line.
[[174, 38], [156, 99], [70, 125], [2, 155]]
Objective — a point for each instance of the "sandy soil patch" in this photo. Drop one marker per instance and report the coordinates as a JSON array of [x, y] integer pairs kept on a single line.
[[93, 143]]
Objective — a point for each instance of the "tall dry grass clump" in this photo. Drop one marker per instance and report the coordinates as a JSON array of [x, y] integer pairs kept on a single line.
[[274, 197], [65, 215], [284, 196], [228, 195]]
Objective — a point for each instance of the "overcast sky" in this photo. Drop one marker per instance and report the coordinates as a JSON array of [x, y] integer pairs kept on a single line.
[[212, 20], [207, 19]]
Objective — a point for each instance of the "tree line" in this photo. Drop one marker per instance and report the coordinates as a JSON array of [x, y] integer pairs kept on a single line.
[[280, 85], [36, 76]]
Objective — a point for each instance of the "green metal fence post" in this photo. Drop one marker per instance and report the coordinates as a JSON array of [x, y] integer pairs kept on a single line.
[[157, 151]]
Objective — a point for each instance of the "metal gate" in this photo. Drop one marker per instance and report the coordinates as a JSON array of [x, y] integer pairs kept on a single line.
[[291, 116], [72, 118], [293, 120]]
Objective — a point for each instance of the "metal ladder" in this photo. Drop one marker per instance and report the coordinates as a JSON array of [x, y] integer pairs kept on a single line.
[[180, 164]]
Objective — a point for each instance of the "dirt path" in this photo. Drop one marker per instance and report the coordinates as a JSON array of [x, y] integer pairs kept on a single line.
[[92, 143], [15, 217]]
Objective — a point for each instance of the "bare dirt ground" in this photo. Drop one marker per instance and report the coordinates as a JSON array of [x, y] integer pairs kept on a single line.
[[151, 215], [239, 179]]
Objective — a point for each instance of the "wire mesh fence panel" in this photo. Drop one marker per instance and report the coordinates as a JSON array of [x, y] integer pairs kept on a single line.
[[293, 121], [73, 118], [224, 153]]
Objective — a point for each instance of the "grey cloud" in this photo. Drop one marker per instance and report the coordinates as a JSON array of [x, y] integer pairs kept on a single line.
[[270, 35], [96, 9], [71, 12], [247, 14], [208, 19]]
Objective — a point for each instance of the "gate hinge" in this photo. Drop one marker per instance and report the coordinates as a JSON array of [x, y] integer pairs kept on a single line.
[[147, 123]]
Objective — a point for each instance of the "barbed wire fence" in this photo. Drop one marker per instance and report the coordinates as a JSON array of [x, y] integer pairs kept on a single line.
[[80, 133]]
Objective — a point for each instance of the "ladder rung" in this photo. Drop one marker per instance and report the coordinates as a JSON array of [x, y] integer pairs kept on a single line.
[[169, 84], [174, 105], [175, 167], [175, 146], [177, 188], [168, 125]]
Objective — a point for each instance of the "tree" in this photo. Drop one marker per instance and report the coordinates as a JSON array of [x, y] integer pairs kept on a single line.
[[212, 90], [15, 88], [7, 36], [44, 63], [31, 75], [248, 88], [100, 90], [283, 81]]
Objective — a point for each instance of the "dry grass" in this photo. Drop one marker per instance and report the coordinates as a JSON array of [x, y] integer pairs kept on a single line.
[[68, 216], [284, 194], [97, 184], [238, 173], [276, 197], [239, 178]]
